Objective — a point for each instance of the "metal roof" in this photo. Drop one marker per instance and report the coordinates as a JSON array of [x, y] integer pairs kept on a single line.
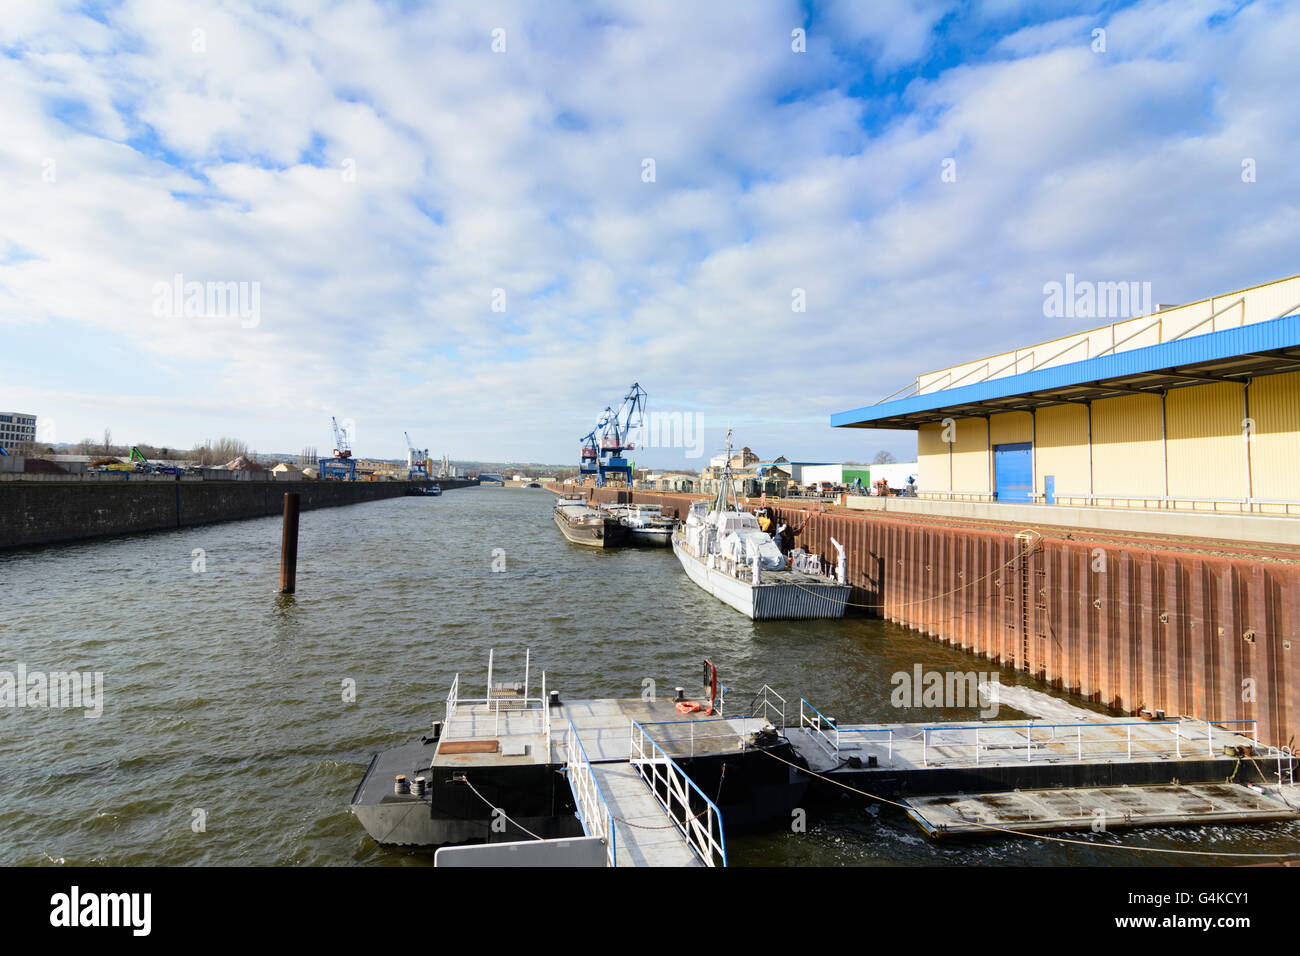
[[1230, 355]]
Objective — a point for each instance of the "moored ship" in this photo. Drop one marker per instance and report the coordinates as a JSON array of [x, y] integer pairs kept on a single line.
[[645, 524], [584, 525], [723, 550]]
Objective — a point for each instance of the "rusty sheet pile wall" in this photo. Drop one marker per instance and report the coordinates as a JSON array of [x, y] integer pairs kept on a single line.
[[1133, 627]]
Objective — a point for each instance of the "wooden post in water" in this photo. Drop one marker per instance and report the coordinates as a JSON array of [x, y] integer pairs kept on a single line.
[[289, 544]]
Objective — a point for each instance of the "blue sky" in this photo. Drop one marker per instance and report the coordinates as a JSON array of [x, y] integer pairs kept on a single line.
[[460, 243]]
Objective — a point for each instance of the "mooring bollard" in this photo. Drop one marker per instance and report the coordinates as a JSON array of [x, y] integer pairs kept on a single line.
[[289, 544]]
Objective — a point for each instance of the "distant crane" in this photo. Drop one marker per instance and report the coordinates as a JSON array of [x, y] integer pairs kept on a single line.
[[417, 461], [342, 445], [342, 467], [588, 465], [603, 447]]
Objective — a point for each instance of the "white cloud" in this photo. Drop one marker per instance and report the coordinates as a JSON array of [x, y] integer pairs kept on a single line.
[[522, 171]]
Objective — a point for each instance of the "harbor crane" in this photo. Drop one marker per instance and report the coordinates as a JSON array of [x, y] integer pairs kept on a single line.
[[417, 461], [342, 445], [342, 467], [602, 448]]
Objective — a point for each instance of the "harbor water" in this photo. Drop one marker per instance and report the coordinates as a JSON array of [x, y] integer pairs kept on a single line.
[[236, 722]]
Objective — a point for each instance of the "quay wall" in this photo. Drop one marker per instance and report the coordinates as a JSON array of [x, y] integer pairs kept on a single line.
[[51, 512], [1187, 628]]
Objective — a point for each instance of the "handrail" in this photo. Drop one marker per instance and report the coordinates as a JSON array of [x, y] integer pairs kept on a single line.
[[912, 384], [705, 838], [738, 735], [451, 698], [831, 744], [1146, 328], [592, 805], [1209, 318], [925, 734], [764, 703]]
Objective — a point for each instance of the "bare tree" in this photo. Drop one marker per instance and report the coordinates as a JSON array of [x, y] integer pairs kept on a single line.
[[220, 451], [883, 458], [108, 441]]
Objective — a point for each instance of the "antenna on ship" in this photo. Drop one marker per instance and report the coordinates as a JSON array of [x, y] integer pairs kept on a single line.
[[724, 485]]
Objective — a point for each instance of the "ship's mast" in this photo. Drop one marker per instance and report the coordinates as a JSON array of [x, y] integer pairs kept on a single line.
[[724, 486]]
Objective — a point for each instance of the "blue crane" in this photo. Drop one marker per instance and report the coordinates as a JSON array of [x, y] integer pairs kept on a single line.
[[342, 467], [603, 446]]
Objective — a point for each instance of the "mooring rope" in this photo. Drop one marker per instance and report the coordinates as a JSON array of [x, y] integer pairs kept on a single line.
[[465, 780]]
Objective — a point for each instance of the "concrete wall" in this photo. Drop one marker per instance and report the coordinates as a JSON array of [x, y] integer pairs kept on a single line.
[[49, 512]]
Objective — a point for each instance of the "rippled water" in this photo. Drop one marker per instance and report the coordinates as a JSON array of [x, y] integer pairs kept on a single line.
[[223, 697]]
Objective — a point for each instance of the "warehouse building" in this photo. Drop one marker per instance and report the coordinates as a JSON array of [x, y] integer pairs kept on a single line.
[[16, 428], [1191, 407]]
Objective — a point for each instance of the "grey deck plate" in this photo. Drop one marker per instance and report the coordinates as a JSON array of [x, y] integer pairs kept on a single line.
[[1089, 808], [655, 841], [1004, 743], [604, 726]]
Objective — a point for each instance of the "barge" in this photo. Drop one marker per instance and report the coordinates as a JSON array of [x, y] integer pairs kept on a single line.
[[587, 526], [654, 778], [509, 778]]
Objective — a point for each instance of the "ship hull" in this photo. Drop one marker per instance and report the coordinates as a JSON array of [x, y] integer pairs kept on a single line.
[[769, 600], [606, 534], [650, 537]]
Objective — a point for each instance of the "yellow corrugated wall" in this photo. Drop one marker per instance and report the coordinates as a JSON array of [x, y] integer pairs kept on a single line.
[[1275, 447], [1061, 447], [970, 457], [931, 458], [1127, 458], [1207, 458], [1010, 427]]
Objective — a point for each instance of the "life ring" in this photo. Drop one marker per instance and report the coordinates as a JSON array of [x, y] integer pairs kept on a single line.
[[687, 707]]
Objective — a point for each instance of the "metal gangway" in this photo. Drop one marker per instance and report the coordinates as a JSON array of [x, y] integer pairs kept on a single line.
[[646, 809]]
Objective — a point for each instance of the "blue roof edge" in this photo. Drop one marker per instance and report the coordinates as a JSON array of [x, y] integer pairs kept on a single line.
[[1259, 336]]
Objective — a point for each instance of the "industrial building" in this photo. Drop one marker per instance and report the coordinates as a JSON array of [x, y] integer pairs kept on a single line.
[[16, 428], [1193, 407]]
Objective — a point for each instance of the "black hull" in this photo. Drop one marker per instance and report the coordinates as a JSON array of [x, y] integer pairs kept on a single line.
[[607, 534], [754, 791]]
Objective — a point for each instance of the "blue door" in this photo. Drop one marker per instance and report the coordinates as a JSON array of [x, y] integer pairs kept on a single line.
[[1013, 471], [1049, 489]]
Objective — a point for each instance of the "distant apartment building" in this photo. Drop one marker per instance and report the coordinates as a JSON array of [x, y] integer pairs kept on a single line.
[[15, 428]]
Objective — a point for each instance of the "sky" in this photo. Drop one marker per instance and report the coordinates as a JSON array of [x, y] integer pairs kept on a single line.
[[481, 222]]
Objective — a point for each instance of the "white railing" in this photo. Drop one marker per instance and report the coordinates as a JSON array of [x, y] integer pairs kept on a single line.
[[593, 807], [696, 816], [817, 723], [1265, 506], [685, 746], [766, 704], [451, 699], [1093, 740], [1000, 743], [523, 715], [887, 732]]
